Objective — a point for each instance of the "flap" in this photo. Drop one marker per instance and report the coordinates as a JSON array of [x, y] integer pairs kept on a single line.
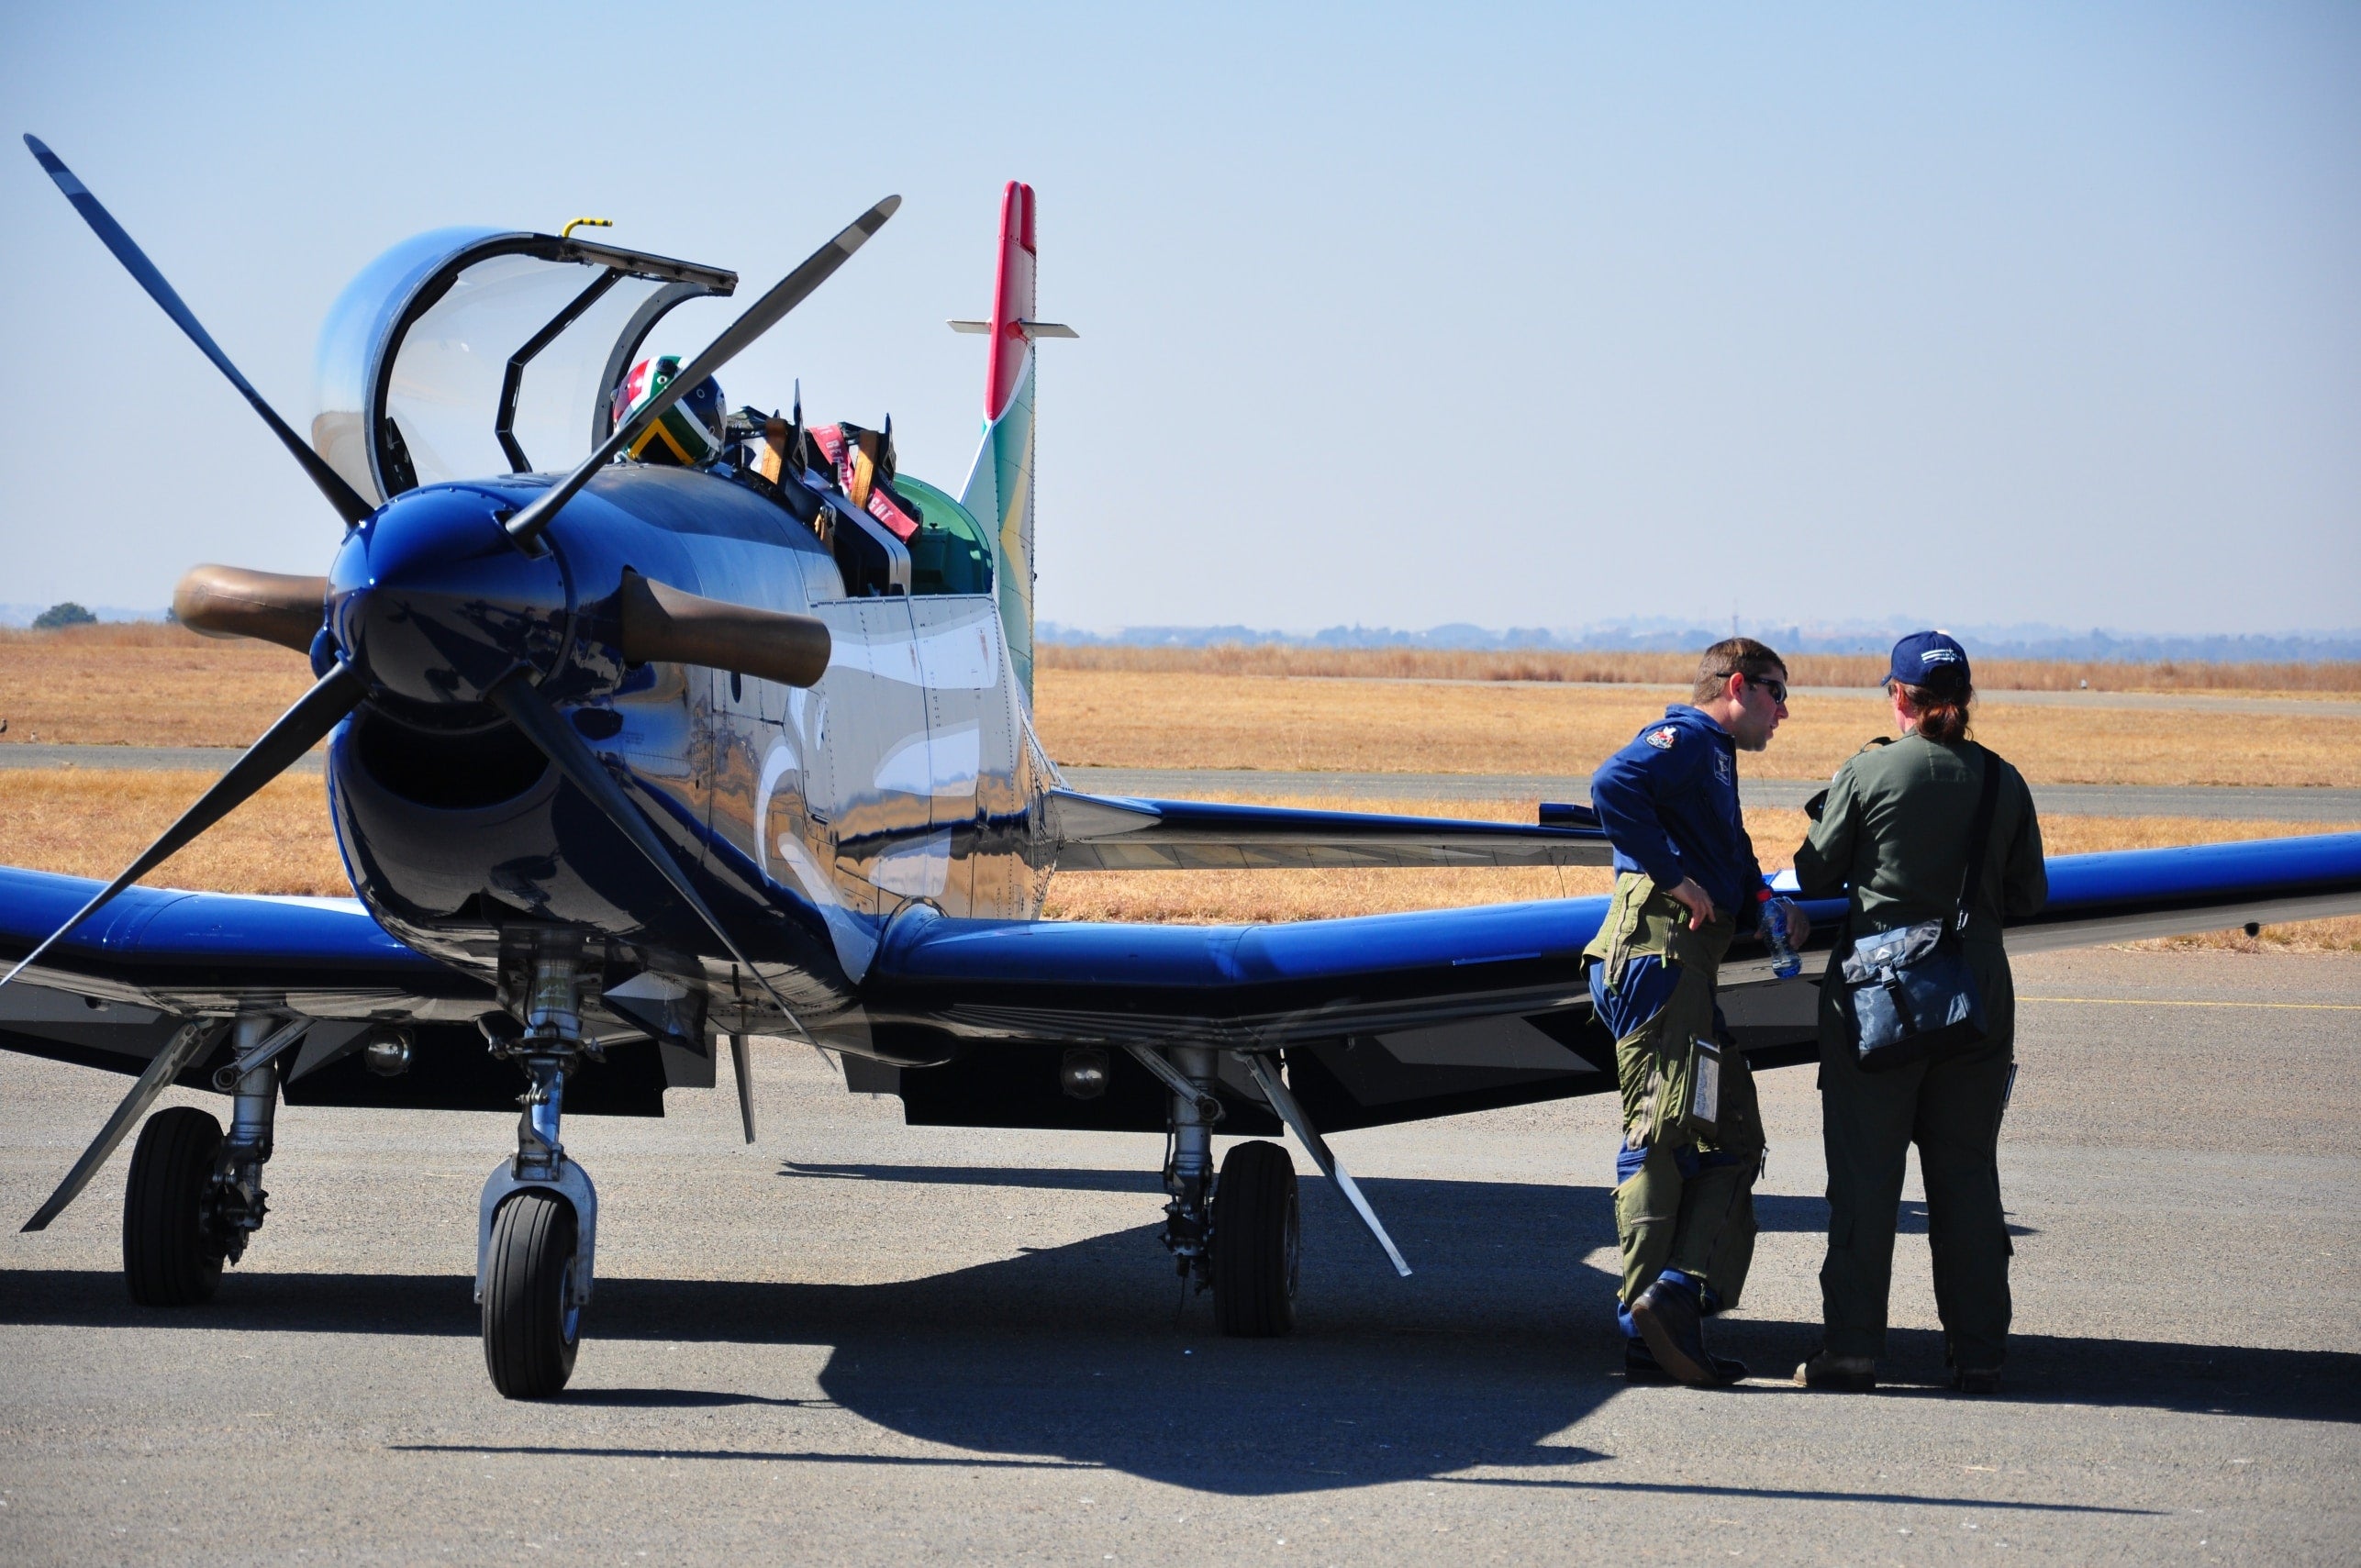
[[1119, 833]]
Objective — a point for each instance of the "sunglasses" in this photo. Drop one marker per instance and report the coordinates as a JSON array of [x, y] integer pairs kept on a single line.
[[1778, 689]]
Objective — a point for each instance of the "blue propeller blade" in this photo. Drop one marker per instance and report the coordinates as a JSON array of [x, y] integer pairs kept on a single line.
[[340, 495], [760, 317], [514, 695], [297, 730]]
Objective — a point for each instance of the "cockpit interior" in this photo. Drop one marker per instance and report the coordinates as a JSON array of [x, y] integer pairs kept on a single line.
[[466, 353]]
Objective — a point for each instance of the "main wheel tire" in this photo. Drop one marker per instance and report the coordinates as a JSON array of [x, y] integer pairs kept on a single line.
[[1256, 1240], [531, 1322], [169, 1260]]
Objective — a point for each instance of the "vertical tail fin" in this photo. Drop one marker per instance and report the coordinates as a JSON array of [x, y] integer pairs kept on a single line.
[[999, 488]]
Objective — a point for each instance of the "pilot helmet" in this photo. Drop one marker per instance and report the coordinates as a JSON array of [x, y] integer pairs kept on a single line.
[[690, 431]]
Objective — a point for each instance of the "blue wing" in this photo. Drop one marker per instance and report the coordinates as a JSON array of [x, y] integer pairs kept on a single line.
[[115, 990], [1399, 1017], [1096, 832]]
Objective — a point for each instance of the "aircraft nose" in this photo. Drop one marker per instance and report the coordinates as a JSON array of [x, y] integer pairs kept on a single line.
[[434, 603]]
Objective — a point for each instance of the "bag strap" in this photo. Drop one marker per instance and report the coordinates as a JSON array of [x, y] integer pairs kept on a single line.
[[1979, 835]]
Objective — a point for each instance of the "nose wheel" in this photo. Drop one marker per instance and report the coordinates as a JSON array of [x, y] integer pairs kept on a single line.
[[537, 1222], [532, 1321]]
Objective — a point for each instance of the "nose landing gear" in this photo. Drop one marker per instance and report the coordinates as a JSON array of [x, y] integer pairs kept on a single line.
[[537, 1221]]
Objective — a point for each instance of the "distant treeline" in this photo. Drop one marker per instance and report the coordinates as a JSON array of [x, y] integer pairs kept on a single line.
[[1869, 639], [115, 634], [1672, 669]]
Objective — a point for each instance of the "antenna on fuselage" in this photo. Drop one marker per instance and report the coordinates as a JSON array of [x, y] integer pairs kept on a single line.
[[573, 224]]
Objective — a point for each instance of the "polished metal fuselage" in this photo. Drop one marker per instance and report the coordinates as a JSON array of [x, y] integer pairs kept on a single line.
[[810, 817]]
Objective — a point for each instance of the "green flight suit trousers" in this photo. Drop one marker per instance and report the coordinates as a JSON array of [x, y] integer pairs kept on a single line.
[[1701, 1220], [1951, 1110]]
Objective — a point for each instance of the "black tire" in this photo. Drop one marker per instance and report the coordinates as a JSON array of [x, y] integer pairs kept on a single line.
[[532, 1324], [1256, 1240], [169, 1260]]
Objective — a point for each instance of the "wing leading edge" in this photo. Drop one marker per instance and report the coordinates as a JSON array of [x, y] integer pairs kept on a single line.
[[1396, 1018]]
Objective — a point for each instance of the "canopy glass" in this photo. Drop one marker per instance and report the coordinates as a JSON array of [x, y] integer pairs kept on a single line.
[[462, 353]]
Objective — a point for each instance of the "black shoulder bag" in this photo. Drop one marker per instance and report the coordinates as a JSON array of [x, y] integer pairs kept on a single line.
[[1910, 991]]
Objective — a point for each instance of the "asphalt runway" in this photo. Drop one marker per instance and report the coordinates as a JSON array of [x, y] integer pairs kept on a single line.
[[866, 1343], [1180, 784]]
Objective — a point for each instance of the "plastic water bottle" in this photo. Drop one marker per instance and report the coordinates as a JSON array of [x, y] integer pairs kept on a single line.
[[1784, 964]]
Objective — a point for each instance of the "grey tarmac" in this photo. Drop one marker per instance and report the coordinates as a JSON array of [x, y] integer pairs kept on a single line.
[[2265, 805], [866, 1343]]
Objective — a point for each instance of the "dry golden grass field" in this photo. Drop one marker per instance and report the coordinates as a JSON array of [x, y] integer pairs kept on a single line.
[[1126, 718], [1263, 708], [1286, 708], [90, 822], [143, 685]]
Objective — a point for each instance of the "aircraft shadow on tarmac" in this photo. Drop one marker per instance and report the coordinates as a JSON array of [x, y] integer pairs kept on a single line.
[[1069, 1356]]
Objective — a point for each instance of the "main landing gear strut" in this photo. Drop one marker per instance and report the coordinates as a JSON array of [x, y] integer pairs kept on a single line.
[[1240, 1233], [194, 1197], [537, 1221]]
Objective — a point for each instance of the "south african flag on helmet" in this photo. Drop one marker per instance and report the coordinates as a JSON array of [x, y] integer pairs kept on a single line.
[[689, 431]]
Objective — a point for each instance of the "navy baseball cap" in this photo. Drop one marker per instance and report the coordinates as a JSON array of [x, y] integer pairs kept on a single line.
[[1928, 659]]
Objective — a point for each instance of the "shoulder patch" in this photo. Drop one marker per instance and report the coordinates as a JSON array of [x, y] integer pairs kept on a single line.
[[1663, 736], [1881, 740]]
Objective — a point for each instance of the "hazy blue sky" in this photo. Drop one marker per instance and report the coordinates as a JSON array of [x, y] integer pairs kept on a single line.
[[1398, 315]]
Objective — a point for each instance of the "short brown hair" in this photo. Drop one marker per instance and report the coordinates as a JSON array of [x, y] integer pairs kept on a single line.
[[1734, 656]]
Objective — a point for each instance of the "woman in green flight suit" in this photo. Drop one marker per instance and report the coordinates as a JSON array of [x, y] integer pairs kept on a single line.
[[1894, 833]]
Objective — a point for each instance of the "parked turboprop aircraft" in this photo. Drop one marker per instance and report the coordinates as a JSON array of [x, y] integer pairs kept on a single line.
[[627, 757]]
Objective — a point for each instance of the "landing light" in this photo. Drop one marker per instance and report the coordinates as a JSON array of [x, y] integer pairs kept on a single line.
[[388, 1054], [1082, 1076]]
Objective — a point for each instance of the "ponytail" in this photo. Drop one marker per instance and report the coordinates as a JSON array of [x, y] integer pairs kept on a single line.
[[1941, 715]]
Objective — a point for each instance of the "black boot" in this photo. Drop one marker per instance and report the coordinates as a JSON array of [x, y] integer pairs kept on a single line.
[[1668, 1319], [1640, 1365], [1975, 1380], [1845, 1375]]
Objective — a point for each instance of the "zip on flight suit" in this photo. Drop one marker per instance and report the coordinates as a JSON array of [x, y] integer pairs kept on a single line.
[[1684, 1193]]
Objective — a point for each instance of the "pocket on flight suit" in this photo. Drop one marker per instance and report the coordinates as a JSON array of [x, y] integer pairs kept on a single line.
[[1697, 1084], [1740, 1131], [1658, 1064]]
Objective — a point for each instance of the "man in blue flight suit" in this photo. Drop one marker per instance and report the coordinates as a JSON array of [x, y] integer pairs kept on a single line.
[[1685, 878]]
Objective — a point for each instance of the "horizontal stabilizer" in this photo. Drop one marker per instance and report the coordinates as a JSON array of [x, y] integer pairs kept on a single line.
[[1030, 328], [1112, 833]]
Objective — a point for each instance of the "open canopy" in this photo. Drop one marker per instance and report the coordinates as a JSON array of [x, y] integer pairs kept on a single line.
[[465, 352]]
